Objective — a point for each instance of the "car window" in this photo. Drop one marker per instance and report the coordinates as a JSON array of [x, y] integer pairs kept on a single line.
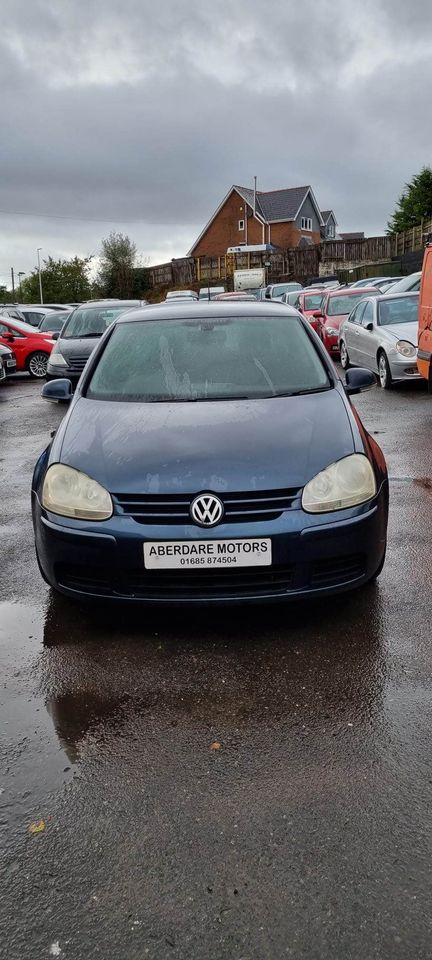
[[368, 314], [356, 315], [208, 359], [53, 321], [91, 321], [33, 317], [338, 306], [19, 330], [313, 301], [398, 310], [3, 329]]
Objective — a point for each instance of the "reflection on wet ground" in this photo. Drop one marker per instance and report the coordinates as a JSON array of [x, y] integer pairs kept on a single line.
[[253, 783]]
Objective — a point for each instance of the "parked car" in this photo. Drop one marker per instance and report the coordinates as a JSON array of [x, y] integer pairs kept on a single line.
[[335, 308], [309, 303], [9, 359], [183, 294], [12, 311], [265, 487], [276, 290], [54, 321], [408, 284], [387, 284], [30, 347], [381, 335], [35, 315], [80, 334], [209, 293], [260, 294]]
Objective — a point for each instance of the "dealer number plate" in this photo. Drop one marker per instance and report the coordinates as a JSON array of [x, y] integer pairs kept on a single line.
[[183, 554]]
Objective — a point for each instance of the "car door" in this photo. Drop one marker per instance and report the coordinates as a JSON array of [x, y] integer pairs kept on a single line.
[[367, 339], [351, 332]]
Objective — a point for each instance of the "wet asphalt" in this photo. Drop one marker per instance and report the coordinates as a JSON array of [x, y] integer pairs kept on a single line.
[[247, 785]]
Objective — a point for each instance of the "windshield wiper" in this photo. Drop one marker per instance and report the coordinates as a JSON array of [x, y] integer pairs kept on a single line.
[[300, 393], [193, 399]]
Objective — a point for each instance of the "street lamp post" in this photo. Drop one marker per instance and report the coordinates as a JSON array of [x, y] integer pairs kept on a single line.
[[40, 275], [20, 274]]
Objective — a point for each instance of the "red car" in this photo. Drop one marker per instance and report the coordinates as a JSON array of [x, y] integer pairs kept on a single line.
[[309, 303], [30, 347], [336, 307]]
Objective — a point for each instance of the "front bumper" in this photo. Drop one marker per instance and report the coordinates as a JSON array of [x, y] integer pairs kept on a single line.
[[331, 342], [312, 556], [402, 368]]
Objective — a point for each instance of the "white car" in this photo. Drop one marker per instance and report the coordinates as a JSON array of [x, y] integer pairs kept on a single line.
[[275, 291], [381, 335]]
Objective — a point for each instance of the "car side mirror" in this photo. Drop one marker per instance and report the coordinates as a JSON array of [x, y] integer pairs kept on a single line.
[[369, 326], [318, 314], [9, 337], [58, 391], [358, 380], [55, 336]]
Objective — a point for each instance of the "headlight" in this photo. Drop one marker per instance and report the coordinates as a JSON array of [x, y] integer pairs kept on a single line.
[[72, 494], [343, 484], [331, 331], [405, 348], [57, 360]]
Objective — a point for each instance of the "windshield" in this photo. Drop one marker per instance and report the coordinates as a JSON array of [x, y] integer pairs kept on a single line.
[[399, 310], [340, 306], [280, 288], [54, 321], [19, 325], [208, 359], [313, 302], [91, 321], [408, 283]]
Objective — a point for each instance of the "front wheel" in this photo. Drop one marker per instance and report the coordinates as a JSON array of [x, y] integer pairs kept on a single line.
[[37, 365], [384, 373], [344, 358]]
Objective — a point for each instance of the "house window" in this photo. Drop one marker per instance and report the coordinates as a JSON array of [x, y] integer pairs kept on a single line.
[[330, 230], [306, 223], [241, 224]]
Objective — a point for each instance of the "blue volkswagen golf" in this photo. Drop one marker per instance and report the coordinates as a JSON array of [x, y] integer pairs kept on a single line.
[[210, 454]]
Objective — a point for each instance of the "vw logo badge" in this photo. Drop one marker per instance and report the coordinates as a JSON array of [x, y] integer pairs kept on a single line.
[[206, 510]]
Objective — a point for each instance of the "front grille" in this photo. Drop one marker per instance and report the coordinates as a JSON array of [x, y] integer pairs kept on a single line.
[[77, 364], [336, 570], [178, 584], [253, 506]]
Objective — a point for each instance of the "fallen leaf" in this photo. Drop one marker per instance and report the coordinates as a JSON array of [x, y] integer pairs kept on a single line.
[[216, 745], [37, 827]]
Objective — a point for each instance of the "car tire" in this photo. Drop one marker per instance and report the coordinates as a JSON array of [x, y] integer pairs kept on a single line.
[[344, 358], [36, 365], [384, 372]]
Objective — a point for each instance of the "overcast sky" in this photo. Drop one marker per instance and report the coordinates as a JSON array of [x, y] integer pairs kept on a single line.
[[138, 116]]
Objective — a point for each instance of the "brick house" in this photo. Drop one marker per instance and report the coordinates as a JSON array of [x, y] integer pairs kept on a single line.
[[285, 218]]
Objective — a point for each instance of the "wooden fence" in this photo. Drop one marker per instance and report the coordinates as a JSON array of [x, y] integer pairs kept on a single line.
[[300, 263]]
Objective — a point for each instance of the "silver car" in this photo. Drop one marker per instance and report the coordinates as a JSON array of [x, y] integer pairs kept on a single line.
[[381, 335]]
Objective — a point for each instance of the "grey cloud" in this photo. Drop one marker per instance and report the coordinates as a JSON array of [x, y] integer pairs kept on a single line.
[[145, 112]]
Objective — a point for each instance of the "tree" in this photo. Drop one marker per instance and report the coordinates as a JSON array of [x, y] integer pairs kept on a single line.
[[63, 281], [116, 277], [414, 204]]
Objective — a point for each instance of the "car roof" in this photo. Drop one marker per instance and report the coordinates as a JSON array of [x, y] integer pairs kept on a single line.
[[398, 296], [110, 303], [214, 308], [350, 291]]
